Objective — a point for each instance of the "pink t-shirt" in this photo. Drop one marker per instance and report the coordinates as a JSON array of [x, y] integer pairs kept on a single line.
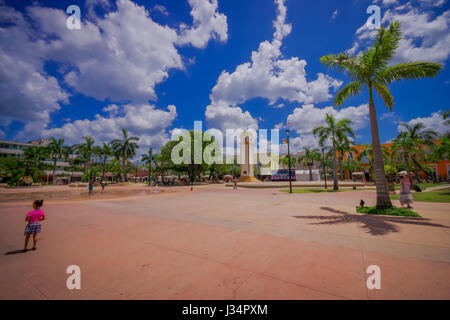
[[35, 215]]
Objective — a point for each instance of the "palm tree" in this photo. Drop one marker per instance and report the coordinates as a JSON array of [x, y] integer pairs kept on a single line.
[[352, 165], [105, 154], [124, 149], [402, 147], [371, 69], [335, 131], [284, 160], [85, 150], [367, 154], [420, 136], [56, 151], [342, 146], [33, 156], [308, 159], [149, 159]]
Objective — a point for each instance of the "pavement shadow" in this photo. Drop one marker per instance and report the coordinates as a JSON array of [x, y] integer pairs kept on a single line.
[[13, 252], [376, 225]]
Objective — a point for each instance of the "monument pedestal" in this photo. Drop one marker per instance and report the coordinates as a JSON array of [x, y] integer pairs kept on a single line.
[[248, 179]]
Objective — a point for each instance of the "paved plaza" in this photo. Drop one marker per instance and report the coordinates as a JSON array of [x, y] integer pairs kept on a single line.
[[218, 243]]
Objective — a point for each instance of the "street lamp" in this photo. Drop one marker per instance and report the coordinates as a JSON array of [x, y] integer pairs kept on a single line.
[[289, 161], [323, 163]]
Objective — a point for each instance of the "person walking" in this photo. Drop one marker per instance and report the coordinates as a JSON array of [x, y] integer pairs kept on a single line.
[[405, 190], [235, 181]]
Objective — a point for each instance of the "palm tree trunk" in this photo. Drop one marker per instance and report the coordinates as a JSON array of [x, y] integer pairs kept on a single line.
[[123, 170], [335, 178], [420, 167], [383, 199], [341, 170], [407, 166], [54, 170], [310, 173], [103, 169]]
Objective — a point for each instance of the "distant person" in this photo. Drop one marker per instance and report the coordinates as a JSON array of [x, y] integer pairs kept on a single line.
[[102, 183], [235, 181], [33, 227], [91, 186], [405, 191]]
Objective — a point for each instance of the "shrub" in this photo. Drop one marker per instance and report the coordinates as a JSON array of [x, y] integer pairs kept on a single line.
[[393, 211]]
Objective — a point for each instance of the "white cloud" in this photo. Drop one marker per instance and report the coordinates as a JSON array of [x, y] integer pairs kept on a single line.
[[387, 2], [335, 13], [224, 117], [208, 23], [268, 76], [27, 93], [426, 36], [434, 3], [119, 57], [143, 120], [161, 9], [433, 122], [111, 61], [304, 119]]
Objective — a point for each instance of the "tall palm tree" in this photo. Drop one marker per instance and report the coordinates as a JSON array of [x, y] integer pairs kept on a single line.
[[56, 151], [308, 159], [149, 159], [420, 137], [124, 149], [334, 130], [371, 69]]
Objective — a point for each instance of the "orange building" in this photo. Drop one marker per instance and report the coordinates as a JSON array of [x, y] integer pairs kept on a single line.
[[440, 169]]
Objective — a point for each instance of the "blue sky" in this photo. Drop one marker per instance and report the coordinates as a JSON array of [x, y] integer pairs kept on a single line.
[[154, 66]]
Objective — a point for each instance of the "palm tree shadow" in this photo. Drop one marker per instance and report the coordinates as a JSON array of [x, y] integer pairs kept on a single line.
[[376, 225]]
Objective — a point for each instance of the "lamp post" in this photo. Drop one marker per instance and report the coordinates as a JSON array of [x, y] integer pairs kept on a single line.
[[289, 161], [323, 163]]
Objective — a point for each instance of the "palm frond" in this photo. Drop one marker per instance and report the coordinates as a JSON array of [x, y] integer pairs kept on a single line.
[[384, 93], [409, 70], [350, 90]]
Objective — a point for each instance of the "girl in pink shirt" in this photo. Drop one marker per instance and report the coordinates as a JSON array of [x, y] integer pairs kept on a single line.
[[33, 227]]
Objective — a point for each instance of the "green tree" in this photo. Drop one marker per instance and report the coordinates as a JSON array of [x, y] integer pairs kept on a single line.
[[85, 151], [335, 131], [105, 154], [308, 159], [342, 146], [57, 151], [284, 160], [149, 160], [371, 69], [33, 157], [124, 149], [419, 137], [367, 155]]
